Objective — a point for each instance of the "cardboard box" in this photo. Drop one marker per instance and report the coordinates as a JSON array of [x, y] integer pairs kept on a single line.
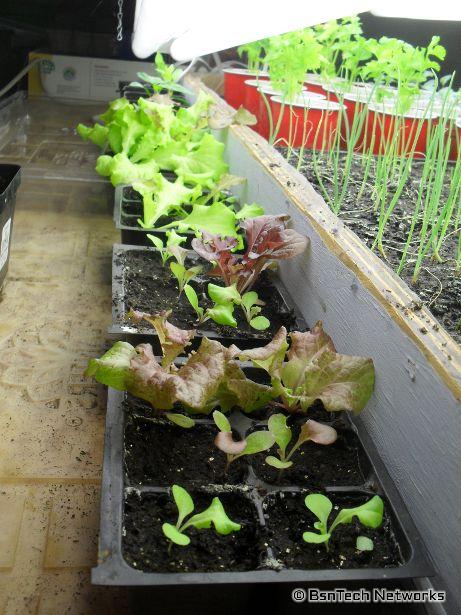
[[74, 77]]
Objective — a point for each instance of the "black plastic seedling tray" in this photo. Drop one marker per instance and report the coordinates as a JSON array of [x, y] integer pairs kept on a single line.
[[137, 334], [10, 178], [119, 491], [128, 209]]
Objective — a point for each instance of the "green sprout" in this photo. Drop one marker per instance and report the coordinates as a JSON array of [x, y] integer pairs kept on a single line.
[[311, 430], [179, 270], [369, 514], [225, 298], [255, 442], [214, 514], [173, 240]]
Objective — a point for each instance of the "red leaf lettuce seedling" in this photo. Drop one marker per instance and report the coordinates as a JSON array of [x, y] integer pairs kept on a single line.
[[209, 377], [214, 514], [267, 240], [314, 370], [311, 430], [369, 514], [255, 442]]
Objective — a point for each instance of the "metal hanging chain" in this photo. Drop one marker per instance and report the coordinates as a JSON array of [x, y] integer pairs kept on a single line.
[[120, 21]]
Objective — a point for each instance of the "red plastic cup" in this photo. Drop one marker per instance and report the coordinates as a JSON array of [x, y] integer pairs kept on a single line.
[[314, 83], [254, 102], [355, 103], [308, 122], [385, 125], [455, 136], [234, 84]]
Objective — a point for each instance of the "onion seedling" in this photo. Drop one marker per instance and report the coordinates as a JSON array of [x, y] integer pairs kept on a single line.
[[214, 514], [369, 514]]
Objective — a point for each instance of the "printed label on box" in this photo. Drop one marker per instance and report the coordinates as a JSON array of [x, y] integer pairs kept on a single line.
[[5, 243]]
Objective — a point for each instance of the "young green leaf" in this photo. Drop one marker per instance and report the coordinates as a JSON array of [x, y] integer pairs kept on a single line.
[[258, 441], [275, 462], [321, 506], [193, 300], [223, 294], [277, 425], [184, 503], [180, 419], [158, 243], [223, 314], [221, 421], [314, 538], [173, 534], [260, 323], [249, 211], [216, 515], [369, 514], [363, 543]]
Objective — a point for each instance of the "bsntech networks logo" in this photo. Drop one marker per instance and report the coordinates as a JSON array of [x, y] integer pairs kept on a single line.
[[342, 595]]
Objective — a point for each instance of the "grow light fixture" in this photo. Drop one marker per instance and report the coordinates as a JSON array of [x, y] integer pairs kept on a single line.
[[188, 29]]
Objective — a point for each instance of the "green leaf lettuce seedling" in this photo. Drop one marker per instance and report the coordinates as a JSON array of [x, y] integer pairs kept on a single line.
[[214, 515]]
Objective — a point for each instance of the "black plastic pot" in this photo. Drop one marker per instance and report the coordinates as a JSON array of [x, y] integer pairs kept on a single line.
[[113, 569], [123, 330], [10, 178]]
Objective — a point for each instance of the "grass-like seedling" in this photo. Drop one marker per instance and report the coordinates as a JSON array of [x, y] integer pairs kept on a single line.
[[311, 430], [369, 514], [214, 514], [255, 442]]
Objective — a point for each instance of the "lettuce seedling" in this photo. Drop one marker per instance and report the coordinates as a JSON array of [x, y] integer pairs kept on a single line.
[[225, 298], [214, 514], [162, 197], [179, 270], [267, 240], [167, 79], [311, 430], [255, 442], [312, 370], [369, 514], [208, 378], [173, 239]]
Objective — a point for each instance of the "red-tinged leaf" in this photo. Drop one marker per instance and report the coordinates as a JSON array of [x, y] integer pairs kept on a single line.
[[317, 432], [172, 339], [305, 346], [271, 356], [225, 442]]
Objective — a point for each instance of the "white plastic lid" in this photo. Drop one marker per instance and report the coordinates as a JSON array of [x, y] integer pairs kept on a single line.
[[306, 102], [413, 112], [266, 87], [245, 71]]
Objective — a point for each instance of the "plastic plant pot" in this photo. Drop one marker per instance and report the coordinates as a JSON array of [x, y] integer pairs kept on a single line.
[[314, 83], [455, 136], [355, 103], [306, 122], [385, 126], [10, 178], [256, 104], [234, 84]]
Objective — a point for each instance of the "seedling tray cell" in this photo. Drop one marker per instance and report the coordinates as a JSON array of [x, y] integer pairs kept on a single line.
[[141, 282], [133, 551]]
